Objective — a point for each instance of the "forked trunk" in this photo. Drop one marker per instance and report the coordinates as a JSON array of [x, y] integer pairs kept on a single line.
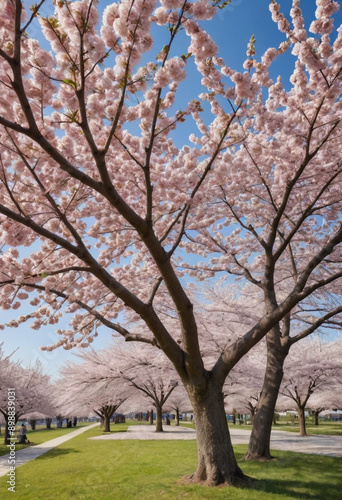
[[216, 459], [259, 441]]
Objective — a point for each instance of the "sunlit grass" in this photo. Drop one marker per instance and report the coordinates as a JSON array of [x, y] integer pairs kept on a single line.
[[40, 435], [128, 470], [325, 428]]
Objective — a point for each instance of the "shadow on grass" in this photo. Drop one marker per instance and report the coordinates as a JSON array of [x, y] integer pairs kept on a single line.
[[299, 489], [113, 432], [296, 475], [56, 452]]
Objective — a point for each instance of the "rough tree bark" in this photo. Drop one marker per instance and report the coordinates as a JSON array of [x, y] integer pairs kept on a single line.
[[216, 460]]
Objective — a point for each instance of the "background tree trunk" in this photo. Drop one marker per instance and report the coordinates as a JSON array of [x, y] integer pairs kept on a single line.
[[151, 417], [159, 420], [315, 414], [7, 437], [106, 423], [302, 423]]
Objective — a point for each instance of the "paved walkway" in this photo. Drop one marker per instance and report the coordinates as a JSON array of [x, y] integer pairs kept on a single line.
[[316, 444], [32, 452], [144, 431], [280, 440]]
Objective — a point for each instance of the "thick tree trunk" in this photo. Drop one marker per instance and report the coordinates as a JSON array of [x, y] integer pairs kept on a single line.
[[259, 442], [48, 423], [159, 420], [302, 424], [216, 459]]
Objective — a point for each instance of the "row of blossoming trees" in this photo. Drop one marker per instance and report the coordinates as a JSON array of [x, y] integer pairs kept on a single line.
[[31, 392], [113, 199], [130, 380]]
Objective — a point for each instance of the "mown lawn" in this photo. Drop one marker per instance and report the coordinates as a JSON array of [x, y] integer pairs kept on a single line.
[[326, 428], [86, 469], [40, 435]]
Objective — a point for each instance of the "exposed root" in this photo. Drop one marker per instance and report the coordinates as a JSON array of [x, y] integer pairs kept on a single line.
[[238, 482]]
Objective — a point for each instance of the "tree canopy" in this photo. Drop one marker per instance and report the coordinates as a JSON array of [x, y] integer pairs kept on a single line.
[[94, 183]]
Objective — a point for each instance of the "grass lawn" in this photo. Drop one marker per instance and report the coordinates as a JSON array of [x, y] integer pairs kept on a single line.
[[326, 428], [40, 435], [85, 469]]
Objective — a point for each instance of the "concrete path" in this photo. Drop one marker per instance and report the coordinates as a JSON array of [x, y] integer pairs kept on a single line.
[[316, 444], [148, 432], [280, 440], [34, 451]]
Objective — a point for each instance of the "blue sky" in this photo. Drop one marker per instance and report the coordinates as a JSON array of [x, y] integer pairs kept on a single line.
[[231, 29]]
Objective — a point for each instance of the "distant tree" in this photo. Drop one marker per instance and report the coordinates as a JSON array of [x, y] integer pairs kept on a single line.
[[178, 402], [312, 368], [80, 391], [148, 372], [31, 390]]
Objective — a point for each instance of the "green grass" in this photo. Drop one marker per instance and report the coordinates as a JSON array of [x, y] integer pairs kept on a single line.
[[40, 435], [326, 428], [85, 469]]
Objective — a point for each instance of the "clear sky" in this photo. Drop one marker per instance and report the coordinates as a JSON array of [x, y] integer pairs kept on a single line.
[[231, 29]]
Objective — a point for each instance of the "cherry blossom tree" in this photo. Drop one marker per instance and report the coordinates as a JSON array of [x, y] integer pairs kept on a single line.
[[153, 375], [323, 400], [148, 372], [178, 402], [93, 183], [30, 387], [80, 391], [314, 368]]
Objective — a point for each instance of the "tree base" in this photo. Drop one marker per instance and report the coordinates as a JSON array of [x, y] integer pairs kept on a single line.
[[238, 482], [258, 458]]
